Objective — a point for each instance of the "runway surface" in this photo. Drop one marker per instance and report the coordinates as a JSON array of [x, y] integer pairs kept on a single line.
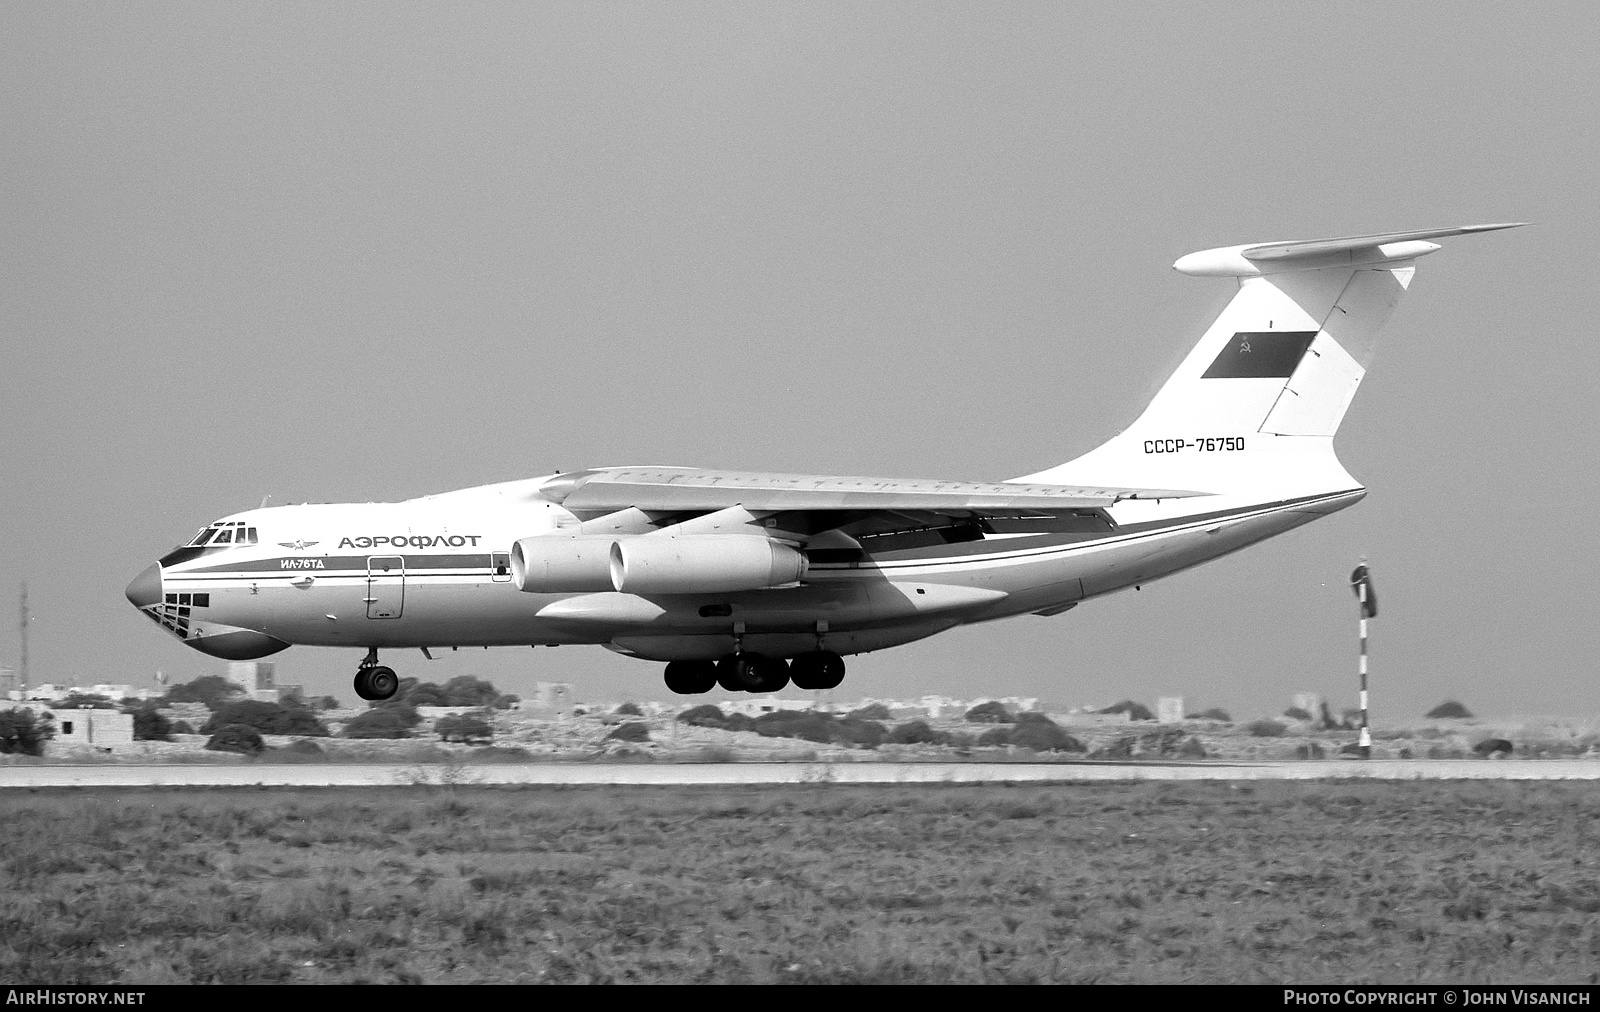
[[577, 774]]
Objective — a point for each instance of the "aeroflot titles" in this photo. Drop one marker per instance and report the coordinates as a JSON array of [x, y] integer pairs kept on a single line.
[[412, 540]]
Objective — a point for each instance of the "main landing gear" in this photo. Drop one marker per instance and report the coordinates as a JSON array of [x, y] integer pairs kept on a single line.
[[745, 671], [374, 680]]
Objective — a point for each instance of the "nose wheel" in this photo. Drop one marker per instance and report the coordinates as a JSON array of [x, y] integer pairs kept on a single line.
[[375, 681]]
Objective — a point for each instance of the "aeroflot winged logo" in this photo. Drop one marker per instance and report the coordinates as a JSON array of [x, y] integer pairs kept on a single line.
[[412, 540], [298, 546]]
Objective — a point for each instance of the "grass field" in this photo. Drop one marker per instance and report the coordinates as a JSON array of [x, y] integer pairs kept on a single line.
[[1302, 882]]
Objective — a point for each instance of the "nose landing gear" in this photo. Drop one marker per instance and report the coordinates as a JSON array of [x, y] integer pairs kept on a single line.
[[375, 681]]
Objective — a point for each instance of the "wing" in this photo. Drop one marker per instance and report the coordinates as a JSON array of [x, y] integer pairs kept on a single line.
[[833, 510], [686, 489]]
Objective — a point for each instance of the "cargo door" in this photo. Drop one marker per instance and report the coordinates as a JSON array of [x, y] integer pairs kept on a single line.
[[386, 586]]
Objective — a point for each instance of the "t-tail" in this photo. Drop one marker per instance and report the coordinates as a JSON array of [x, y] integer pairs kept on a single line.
[[1253, 409]]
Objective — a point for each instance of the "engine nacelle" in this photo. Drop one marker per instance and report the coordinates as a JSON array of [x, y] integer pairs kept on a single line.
[[562, 563], [701, 564]]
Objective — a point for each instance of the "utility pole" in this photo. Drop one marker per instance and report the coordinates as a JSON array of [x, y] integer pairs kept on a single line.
[[1361, 583], [22, 670]]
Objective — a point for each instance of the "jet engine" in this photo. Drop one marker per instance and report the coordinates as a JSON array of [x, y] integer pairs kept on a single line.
[[701, 564], [652, 564], [562, 563]]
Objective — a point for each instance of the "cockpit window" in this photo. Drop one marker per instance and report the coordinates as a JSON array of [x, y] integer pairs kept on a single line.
[[234, 533]]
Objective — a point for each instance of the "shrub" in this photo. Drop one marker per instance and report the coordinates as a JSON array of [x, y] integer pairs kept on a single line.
[[1121, 748], [1265, 728], [738, 722], [267, 718], [992, 712], [805, 724], [1035, 717], [1135, 711], [79, 700], [465, 690], [1310, 750], [300, 750], [212, 690], [1449, 710], [1296, 713], [462, 690], [322, 703], [378, 722], [632, 731], [23, 733], [995, 736], [236, 738], [1215, 713], [916, 732], [704, 715], [1044, 736], [629, 709], [1168, 741], [464, 728], [181, 727], [872, 711], [855, 731], [402, 710], [1492, 748], [150, 724]]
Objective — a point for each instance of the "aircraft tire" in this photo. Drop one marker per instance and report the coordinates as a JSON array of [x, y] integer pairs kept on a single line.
[[773, 673], [727, 673], [819, 669], [382, 682], [742, 672], [363, 683], [691, 678]]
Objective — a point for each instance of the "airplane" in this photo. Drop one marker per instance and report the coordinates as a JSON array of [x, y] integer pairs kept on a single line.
[[752, 581]]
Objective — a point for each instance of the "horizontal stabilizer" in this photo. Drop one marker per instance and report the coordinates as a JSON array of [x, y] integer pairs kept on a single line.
[[1253, 259]]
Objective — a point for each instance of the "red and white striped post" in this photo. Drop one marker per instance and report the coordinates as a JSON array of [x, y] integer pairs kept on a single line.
[[1361, 583]]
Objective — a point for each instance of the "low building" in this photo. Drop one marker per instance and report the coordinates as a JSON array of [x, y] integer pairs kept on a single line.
[[99, 728], [755, 706]]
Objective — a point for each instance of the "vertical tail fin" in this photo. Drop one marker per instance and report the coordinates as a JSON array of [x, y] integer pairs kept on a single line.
[[1254, 406]]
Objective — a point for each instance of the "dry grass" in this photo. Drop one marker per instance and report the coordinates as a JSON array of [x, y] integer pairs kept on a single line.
[[1469, 882]]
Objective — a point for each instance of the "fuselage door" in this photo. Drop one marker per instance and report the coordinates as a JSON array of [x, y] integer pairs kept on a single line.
[[386, 586], [500, 567]]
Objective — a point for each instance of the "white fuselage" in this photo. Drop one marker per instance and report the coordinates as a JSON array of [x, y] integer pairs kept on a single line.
[[434, 572]]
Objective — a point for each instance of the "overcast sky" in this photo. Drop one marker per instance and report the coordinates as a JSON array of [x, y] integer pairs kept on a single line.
[[370, 251]]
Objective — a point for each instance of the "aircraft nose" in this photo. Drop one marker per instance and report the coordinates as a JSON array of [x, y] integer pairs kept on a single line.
[[145, 589]]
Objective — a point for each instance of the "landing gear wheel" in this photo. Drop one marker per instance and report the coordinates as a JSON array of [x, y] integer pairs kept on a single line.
[[773, 673], [690, 678], [752, 672], [727, 675], [375, 681], [819, 669], [382, 682]]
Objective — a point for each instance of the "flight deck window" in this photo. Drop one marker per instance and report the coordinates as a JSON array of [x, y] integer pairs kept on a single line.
[[224, 537]]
